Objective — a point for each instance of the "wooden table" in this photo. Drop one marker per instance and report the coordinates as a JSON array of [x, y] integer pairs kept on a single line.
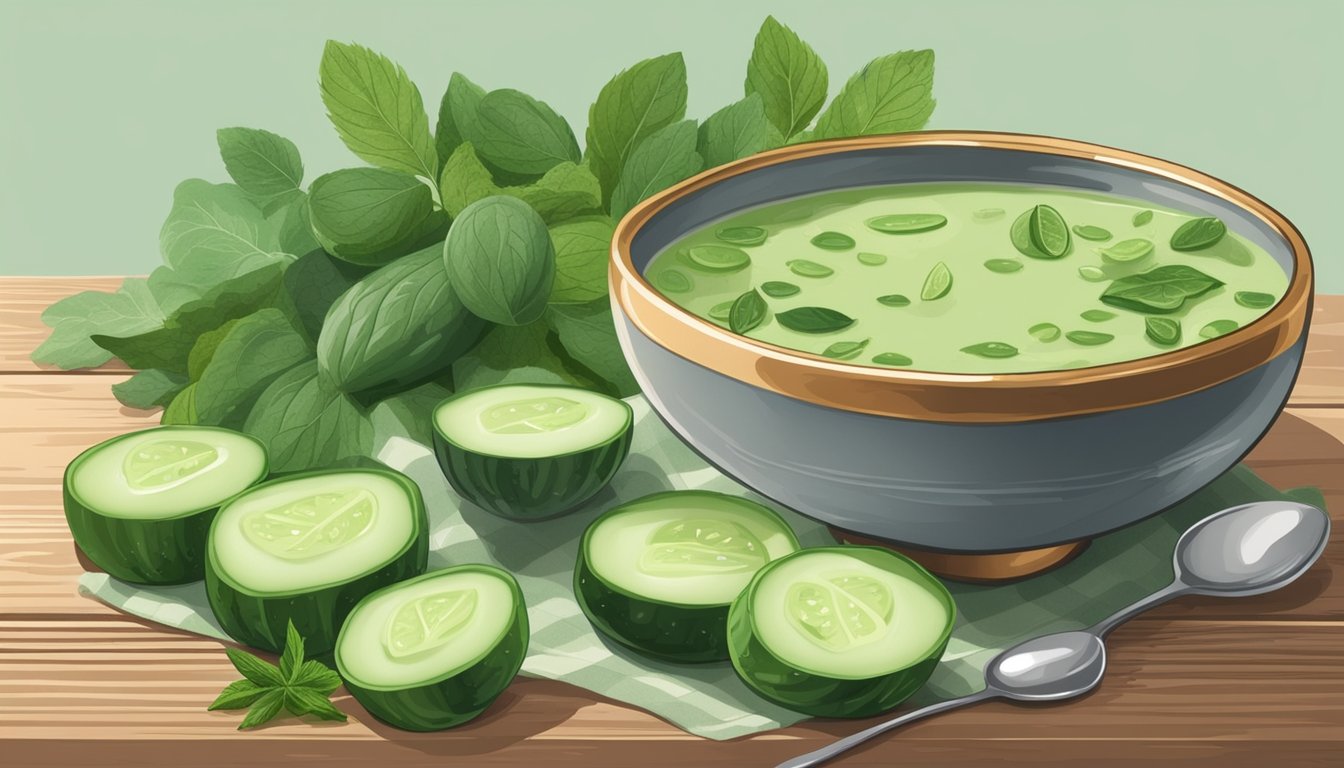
[[1200, 681]]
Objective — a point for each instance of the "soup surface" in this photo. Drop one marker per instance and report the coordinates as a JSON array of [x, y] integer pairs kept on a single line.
[[970, 277]]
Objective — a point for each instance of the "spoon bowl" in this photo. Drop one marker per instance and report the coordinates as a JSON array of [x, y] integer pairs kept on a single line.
[[1058, 666], [1250, 549]]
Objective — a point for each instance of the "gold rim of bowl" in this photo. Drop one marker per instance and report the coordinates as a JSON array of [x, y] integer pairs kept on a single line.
[[956, 397]]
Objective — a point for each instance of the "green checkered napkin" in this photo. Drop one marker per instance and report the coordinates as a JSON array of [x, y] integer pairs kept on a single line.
[[708, 699]]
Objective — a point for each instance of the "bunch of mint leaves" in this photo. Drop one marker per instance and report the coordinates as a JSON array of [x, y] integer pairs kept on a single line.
[[226, 332], [298, 686]]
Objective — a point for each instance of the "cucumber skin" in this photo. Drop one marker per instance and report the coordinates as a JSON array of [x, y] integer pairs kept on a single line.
[[260, 620], [531, 489], [820, 695], [669, 632], [158, 552], [455, 700]]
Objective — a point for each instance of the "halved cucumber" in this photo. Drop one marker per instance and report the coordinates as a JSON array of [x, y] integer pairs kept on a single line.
[[140, 505], [529, 452], [433, 652], [307, 547], [658, 573], [840, 631]]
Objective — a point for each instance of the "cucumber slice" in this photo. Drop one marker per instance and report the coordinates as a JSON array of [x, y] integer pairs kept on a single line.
[[658, 573], [528, 452], [840, 631], [140, 505], [307, 547], [433, 652]]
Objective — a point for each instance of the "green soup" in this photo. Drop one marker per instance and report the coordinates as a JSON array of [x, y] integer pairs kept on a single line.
[[970, 277]]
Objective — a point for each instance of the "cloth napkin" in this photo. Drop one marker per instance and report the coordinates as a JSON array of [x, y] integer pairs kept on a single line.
[[708, 699]]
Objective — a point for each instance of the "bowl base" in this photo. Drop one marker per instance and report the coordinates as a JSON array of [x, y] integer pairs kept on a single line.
[[979, 568]]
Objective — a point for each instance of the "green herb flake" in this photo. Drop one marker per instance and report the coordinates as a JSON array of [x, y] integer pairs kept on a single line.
[[872, 259], [1162, 330], [833, 241], [1091, 274], [808, 268], [1097, 315], [1198, 234], [1046, 332], [1218, 328], [672, 281], [1003, 266], [1142, 217], [814, 320], [937, 283], [743, 236], [1127, 250], [1089, 338], [894, 300], [746, 312], [1089, 232], [778, 289], [845, 350], [991, 349], [1161, 289], [718, 258], [720, 311], [906, 223], [1254, 299], [987, 214], [1048, 231], [893, 359]]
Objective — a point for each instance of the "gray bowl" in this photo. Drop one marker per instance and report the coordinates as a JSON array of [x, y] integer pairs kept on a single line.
[[958, 463]]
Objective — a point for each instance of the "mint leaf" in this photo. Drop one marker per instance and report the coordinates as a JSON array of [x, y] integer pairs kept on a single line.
[[523, 135], [149, 388], [633, 105], [317, 676], [369, 215], [239, 694], [377, 110], [291, 659], [265, 709], [500, 261], [214, 232], [582, 247], [257, 349], [790, 77], [520, 354], [661, 160], [293, 225], [203, 351], [891, 93], [305, 422], [259, 671], [262, 163], [566, 191], [182, 410], [412, 408], [588, 334], [464, 180], [306, 701], [736, 131], [446, 136], [462, 101], [312, 284], [75, 319], [169, 345]]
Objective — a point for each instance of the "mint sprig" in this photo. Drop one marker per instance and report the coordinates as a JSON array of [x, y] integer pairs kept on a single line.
[[298, 686]]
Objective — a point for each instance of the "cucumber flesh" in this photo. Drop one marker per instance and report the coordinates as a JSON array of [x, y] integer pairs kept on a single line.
[[434, 651], [687, 548], [166, 471], [530, 422], [841, 617]]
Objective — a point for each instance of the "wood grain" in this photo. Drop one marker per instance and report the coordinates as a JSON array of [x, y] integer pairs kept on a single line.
[[1201, 681]]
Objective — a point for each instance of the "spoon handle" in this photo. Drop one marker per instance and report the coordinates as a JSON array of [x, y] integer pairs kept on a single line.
[[1172, 590], [817, 757]]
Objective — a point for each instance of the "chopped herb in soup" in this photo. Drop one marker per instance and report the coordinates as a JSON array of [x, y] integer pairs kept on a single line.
[[971, 278]]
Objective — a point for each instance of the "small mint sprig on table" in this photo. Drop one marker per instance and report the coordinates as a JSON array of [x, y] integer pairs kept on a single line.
[[301, 687]]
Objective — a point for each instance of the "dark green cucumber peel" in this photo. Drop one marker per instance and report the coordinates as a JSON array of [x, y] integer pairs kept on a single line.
[[259, 620], [455, 699], [160, 551], [821, 695], [530, 489]]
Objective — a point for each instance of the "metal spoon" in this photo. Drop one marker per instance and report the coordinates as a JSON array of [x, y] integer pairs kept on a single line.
[[1240, 551]]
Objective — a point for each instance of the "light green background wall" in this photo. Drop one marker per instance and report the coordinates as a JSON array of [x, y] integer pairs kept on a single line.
[[104, 107]]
